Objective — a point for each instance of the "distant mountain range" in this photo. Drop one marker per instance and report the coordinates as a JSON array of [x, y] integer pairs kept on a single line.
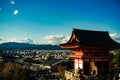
[[23, 46]]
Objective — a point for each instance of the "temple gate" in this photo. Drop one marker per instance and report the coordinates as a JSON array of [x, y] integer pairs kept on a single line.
[[91, 51]]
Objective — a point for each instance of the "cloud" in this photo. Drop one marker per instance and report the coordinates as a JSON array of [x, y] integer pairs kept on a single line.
[[56, 39], [2, 41], [23, 40], [115, 36], [12, 2], [15, 12]]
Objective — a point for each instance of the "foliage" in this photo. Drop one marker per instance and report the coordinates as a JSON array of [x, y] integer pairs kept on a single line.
[[1, 64], [115, 67], [1, 67], [48, 57], [116, 59], [61, 70], [13, 72]]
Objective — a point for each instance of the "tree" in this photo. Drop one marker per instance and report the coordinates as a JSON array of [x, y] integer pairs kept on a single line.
[[116, 59], [13, 72], [115, 67], [61, 70], [48, 57], [1, 64]]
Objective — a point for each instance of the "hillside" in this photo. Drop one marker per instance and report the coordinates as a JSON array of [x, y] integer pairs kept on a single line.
[[14, 45]]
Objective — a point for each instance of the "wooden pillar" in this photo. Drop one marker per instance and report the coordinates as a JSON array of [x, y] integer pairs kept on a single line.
[[78, 63], [75, 64], [102, 67], [91, 66], [94, 69]]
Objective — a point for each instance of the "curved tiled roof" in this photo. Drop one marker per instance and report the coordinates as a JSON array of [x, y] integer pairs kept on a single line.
[[91, 38]]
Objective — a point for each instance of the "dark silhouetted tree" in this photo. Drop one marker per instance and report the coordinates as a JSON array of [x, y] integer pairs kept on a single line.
[[116, 59], [13, 72]]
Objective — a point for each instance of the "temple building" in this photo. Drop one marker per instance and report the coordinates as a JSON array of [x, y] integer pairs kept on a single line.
[[91, 51]]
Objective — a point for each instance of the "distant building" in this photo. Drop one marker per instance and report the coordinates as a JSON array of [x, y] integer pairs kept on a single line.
[[1, 59], [91, 51], [53, 64]]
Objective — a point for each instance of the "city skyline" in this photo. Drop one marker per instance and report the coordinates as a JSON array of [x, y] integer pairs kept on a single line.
[[51, 21]]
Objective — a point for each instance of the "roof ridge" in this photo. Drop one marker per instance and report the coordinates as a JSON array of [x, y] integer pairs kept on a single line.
[[92, 38], [74, 29]]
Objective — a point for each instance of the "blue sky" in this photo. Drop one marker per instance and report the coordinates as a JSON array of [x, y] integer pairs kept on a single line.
[[52, 21]]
